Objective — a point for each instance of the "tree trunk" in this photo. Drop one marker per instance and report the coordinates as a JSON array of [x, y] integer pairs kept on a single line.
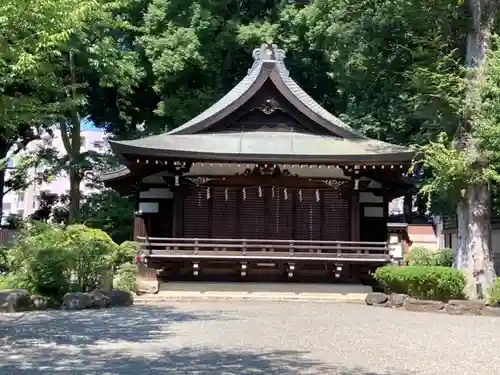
[[74, 195], [4, 150], [473, 253], [2, 185], [460, 254]]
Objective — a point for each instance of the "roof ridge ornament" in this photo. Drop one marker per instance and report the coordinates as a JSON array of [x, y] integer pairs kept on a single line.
[[270, 53]]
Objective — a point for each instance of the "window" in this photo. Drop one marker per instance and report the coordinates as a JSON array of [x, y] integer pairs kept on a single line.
[[6, 206]]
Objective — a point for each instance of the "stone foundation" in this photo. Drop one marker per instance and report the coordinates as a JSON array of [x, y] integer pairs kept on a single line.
[[452, 307]]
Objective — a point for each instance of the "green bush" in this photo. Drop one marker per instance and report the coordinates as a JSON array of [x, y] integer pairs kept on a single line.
[[125, 253], [421, 256], [39, 262], [6, 282], [4, 264], [425, 282], [495, 293], [52, 260], [126, 277], [91, 254]]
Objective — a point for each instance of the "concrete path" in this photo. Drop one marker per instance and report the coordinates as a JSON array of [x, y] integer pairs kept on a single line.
[[242, 338]]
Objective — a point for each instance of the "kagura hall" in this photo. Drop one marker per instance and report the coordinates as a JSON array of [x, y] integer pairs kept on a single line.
[[264, 180]]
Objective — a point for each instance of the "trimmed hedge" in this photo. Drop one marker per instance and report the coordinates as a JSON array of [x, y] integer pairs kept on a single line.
[[425, 282]]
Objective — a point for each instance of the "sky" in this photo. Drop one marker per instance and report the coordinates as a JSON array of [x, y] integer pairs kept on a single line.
[[86, 124]]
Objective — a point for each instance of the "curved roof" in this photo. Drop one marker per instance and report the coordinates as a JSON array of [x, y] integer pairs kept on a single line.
[[193, 140], [269, 62], [265, 146]]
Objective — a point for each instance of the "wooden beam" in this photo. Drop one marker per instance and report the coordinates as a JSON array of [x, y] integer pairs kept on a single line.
[[354, 215]]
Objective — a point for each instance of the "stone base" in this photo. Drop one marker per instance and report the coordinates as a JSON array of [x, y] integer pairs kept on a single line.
[[147, 280], [453, 307], [413, 304], [458, 307]]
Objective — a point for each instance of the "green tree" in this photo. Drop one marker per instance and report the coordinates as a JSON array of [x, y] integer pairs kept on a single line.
[[91, 59], [464, 166], [29, 33]]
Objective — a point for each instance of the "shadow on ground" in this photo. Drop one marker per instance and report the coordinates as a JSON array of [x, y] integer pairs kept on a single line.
[[132, 341]]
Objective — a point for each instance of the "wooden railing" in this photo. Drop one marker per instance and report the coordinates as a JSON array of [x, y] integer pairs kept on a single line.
[[275, 250]]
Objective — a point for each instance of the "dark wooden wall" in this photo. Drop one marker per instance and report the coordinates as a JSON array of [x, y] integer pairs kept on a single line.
[[265, 213]]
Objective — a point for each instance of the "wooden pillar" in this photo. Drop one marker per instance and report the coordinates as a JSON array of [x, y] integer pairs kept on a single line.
[[178, 212], [140, 229], [354, 215], [408, 207]]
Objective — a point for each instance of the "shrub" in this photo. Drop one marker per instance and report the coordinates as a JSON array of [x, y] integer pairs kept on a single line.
[[4, 265], [91, 255], [39, 262], [6, 282], [421, 256], [426, 282], [126, 277], [52, 260], [495, 293], [125, 253]]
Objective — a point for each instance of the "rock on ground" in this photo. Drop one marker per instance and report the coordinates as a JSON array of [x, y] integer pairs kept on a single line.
[[76, 301], [15, 300], [120, 298], [464, 307], [397, 300], [42, 302], [376, 298], [413, 304], [98, 299]]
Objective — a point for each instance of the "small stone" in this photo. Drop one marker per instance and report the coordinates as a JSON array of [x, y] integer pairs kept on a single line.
[[76, 301], [376, 298], [42, 303], [15, 300], [491, 311], [98, 299], [413, 304], [120, 298], [397, 300], [465, 307]]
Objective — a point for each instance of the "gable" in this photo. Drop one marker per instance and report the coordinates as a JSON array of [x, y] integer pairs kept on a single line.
[[268, 110]]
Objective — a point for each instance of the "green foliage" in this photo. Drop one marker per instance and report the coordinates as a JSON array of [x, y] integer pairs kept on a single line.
[[421, 256], [108, 211], [6, 282], [495, 293], [91, 254], [52, 260], [125, 253], [4, 264], [39, 261], [471, 154], [126, 277], [426, 282]]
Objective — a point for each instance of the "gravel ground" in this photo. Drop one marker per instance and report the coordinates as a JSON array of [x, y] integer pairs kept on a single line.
[[241, 338]]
